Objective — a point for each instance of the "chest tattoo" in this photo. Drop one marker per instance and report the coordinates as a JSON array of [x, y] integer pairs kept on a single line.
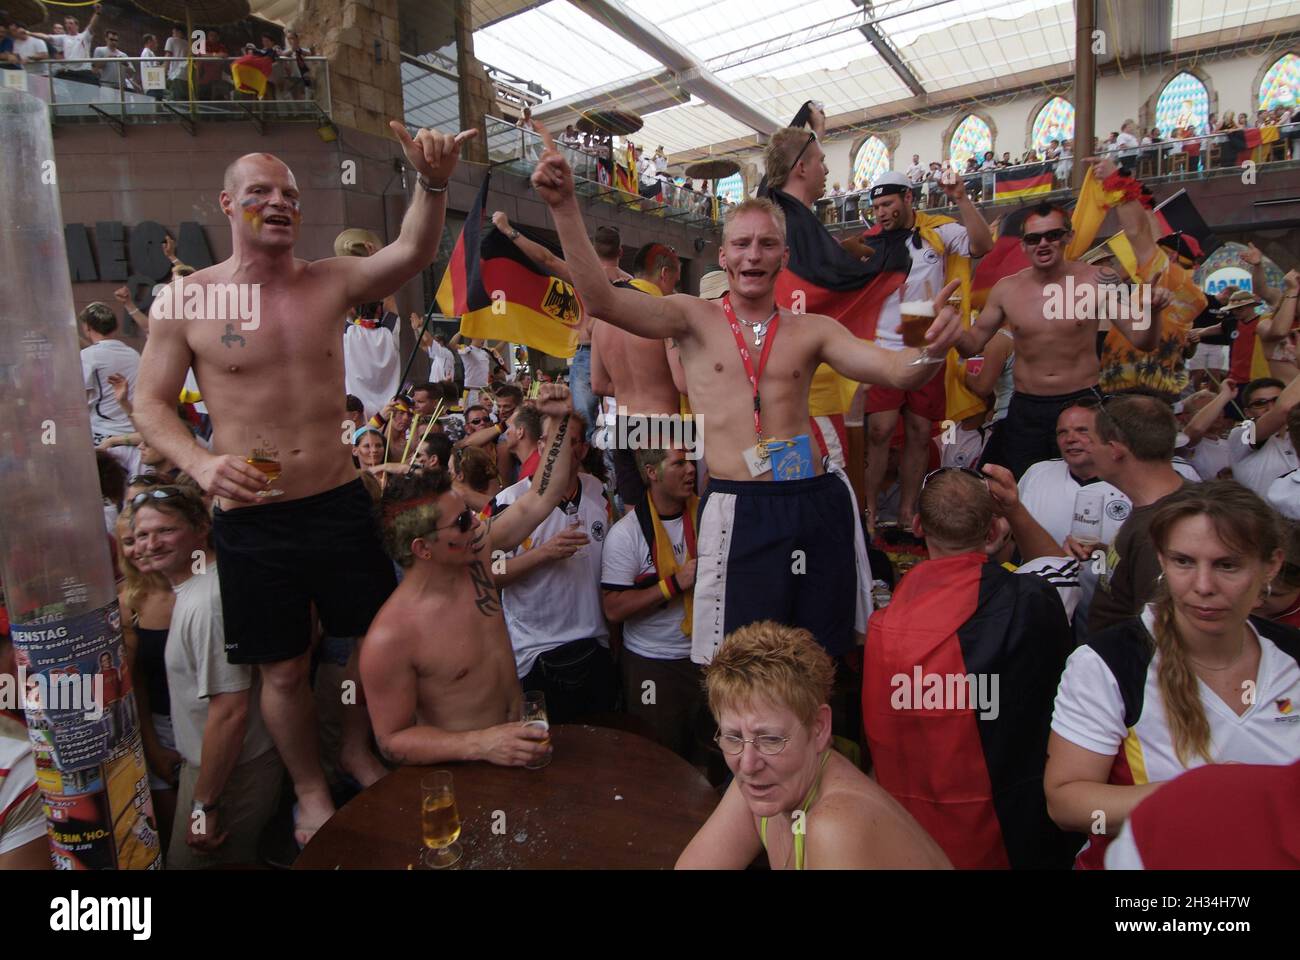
[[230, 337]]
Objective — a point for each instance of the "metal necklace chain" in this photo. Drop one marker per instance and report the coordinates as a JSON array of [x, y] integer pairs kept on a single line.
[[758, 326]]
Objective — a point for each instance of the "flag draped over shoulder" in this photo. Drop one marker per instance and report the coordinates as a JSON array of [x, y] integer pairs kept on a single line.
[[500, 294], [970, 773], [822, 277], [251, 74], [1025, 181]]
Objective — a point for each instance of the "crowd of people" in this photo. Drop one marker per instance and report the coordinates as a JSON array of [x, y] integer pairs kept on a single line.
[[288, 75], [1102, 594]]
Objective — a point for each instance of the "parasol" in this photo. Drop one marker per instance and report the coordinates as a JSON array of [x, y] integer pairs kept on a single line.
[[617, 123], [715, 170], [30, 13]]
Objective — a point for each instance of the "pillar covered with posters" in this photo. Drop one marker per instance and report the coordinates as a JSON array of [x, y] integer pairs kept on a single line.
[[73, 681]]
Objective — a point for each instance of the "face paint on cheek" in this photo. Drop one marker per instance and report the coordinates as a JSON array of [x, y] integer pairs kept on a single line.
[[253, 209]]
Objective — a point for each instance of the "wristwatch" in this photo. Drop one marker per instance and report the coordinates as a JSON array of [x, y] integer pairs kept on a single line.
[[514, 234], [200, 807], [428, 187]]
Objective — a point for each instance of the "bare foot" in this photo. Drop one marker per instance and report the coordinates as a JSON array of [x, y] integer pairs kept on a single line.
[[310, 814], [363, 767]]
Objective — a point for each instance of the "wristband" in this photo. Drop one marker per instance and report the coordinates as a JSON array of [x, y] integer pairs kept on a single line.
[[428, 187], [1128, 187], [665, 589]]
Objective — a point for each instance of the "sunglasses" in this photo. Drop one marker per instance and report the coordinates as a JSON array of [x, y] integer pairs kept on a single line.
[[477, 421], [799, 156], [148, 480], [155, 495], [463, 521], [1051, 236], [966, 470]]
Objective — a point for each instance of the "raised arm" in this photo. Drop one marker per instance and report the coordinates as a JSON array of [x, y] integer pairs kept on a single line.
[[532, 250], [1143, 332], [552, 479], [977, 228], [650, 317], [865, 362], [1197, 427], [1278, 323], [434, 156], [1274, 419], [1032, 540], [1254, 259]]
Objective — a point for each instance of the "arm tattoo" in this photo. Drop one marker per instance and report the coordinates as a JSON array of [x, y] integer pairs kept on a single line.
[[486, 596], [551, 455], [1106, 277]]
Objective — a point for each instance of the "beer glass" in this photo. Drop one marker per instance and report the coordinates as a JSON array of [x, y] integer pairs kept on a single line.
[[264, 454], [1085, 528], [535, 716], [439, 821]]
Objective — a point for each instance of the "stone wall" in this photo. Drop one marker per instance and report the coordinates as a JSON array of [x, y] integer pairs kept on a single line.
[[364, 95]]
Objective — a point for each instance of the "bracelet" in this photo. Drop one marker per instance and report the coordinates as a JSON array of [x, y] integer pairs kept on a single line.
[[428, 187]]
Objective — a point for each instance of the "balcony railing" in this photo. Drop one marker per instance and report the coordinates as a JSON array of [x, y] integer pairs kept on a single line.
[[1203, 157], [518, 150], [134, 90]]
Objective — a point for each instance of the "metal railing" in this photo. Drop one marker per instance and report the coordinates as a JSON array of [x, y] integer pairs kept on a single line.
[[1206, 156], [518, 149], [125, 90]]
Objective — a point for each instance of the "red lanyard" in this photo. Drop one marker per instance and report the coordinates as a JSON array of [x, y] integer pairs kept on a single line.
[[754, 376]]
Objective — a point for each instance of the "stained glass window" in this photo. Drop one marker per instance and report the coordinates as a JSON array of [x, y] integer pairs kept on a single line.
[[872, 160], [1281, 85], [732, 189], [972, 138], [1184, 102], [1055, 121]]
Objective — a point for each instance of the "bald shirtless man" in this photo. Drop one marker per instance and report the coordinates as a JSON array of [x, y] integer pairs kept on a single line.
[[635, 370], [275, 381], [450, 692], [755, 532], [1056, 359]]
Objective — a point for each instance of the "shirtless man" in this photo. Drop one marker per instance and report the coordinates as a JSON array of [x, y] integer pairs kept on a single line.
[[1056, 359], [751, 526], [452, 693], [635, 370], [277, 381], [609, 246]]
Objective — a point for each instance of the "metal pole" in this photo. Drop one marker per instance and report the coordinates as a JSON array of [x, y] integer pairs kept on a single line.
[[1085, 89]]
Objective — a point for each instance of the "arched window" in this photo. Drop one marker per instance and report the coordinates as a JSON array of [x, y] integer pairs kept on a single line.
[[1281, 85], [871, 161], [1184, 102], [972, 138], [1055, 121], [732, 189]]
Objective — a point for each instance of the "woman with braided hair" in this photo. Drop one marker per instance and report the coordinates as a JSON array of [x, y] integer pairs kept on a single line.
[[1196, 679]]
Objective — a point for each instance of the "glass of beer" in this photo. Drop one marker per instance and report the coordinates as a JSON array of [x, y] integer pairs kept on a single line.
[[1085, 528], [264, 454], [916, 318], [535, 716], [439, 821]]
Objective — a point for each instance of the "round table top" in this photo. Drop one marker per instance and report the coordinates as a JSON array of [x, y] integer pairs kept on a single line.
[[608, 799]]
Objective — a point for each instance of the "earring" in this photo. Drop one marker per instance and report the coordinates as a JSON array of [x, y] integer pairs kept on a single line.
[[1268, 589]]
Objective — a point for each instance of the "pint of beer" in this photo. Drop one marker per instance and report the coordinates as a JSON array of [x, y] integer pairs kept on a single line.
[[917, 315]]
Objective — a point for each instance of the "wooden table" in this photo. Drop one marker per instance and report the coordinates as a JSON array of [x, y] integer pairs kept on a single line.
[[608, 799]]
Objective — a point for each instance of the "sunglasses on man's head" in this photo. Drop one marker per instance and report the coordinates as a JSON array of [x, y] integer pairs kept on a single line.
[[799, 156], [148, 480], [1051, 236], [966, 470], [155, 495]]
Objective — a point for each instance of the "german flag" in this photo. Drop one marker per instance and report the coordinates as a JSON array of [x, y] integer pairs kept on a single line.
[[822, 277], [500, 294], [1006, 257], [1026, 181], [251, 74], [970, 769], [1178, 214]]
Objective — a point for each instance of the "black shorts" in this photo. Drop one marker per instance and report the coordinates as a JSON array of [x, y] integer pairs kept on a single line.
[[1027, 434], [276, 559]]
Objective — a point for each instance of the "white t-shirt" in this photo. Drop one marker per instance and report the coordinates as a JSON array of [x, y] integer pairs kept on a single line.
[[148, 58], [1284, 495], [107, 418], [197, 669], [649, 176], [927, 268], [29, 47], [22, 819], [175, 49], [74, 46], [557, 602], [1125, 141], [110, 73], [916, 173], [1208, 457], [1257, 469], [442, 364], [1090, 712], [475, 360], [656, 633]]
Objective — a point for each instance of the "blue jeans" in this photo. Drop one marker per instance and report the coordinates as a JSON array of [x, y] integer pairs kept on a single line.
[[584, 401]]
